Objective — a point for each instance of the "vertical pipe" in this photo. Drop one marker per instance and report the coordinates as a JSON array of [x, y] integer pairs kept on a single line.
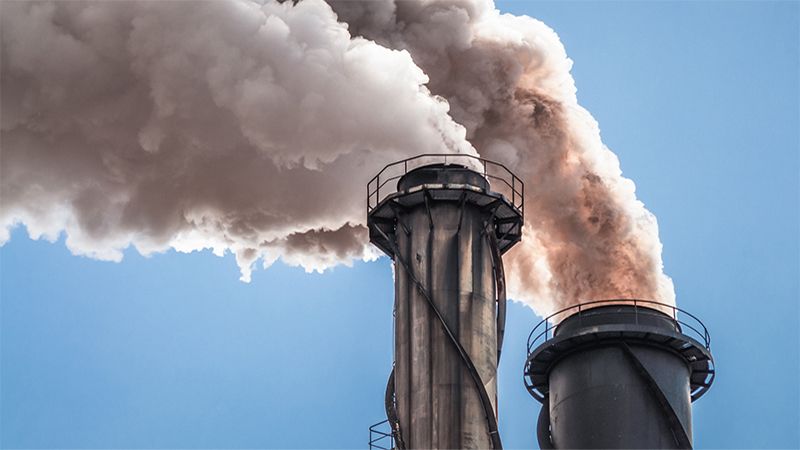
[[403, 323], [421, 323], [440, 405]]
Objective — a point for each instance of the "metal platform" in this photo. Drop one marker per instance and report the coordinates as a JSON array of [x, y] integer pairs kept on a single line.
[[642, 323], [499, 191]]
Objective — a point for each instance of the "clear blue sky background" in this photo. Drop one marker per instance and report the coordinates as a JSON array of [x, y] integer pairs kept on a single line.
[[700, 102]]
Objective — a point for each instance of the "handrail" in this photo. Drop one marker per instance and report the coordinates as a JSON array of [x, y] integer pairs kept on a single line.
[[695, 324], [377, 437], [516, 188]]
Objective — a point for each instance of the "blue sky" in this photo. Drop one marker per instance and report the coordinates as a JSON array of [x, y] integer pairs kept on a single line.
[[699, 100]]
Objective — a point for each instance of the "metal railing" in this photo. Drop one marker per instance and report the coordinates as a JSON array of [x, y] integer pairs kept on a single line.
[[641, 308], [502, 180], [379, 439]]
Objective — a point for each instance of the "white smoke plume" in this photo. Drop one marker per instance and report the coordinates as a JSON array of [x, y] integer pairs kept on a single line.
[[228, 125], [254, 128]]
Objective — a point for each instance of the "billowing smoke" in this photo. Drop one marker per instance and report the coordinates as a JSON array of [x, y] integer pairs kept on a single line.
[[254, 128], [507, 81], [207, 124]]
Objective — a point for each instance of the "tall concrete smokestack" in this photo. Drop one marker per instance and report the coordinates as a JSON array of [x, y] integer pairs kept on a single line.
[[618, 374], [446, 227]]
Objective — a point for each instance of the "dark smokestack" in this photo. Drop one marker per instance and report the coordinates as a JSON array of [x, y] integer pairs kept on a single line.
[[618, 374], [445, 227]]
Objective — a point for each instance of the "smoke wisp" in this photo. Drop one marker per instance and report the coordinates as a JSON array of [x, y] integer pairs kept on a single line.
[[253, 128]]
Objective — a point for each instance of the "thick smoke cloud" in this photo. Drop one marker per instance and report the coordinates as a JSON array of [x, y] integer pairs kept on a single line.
[[223, 124], [508, 81], [254, 128]]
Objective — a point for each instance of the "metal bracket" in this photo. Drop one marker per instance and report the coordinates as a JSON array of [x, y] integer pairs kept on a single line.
[[461, 210], [428, 207], [396, 209], [489, 224]]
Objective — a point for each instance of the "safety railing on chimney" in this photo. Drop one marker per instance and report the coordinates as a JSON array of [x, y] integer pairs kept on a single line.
[[684, 322], [381, 436], [502, 180]]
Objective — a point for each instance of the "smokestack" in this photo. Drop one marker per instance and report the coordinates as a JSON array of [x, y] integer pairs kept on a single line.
[[618, 374], [446, 227]]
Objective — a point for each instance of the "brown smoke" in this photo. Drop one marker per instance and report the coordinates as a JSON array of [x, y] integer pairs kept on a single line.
[[253, 128], [507, 81]]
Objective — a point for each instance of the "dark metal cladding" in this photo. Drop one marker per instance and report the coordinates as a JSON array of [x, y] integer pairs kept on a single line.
[[438, 404], [441, 228], [618, 376], [450, 174]]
